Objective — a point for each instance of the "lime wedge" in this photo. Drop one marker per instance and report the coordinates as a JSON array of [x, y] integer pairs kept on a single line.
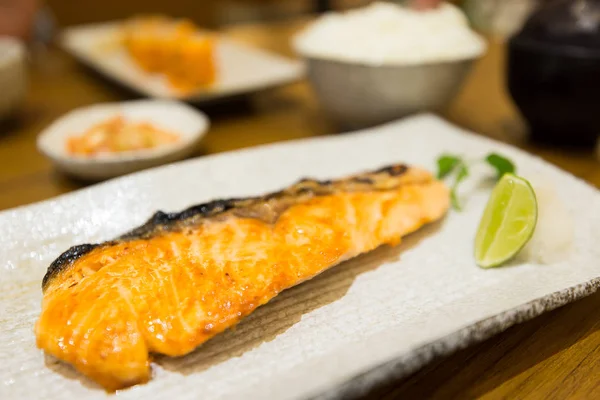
[[508, 221]]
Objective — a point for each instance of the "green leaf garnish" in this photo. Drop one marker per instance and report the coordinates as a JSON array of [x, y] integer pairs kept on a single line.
[[463, 172], [502, 165], [452, 164], [461, 175], [446, 164], [454, 200]]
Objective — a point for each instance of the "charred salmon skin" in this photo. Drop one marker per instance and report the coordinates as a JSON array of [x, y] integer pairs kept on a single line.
[[181, 278]]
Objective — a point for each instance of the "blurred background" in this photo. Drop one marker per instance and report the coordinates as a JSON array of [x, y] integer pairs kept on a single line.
[[45, 81], [500, 16], [211, 13]]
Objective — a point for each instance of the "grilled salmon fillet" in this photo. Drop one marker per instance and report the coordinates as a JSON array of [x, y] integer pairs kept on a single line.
[[181, 278]]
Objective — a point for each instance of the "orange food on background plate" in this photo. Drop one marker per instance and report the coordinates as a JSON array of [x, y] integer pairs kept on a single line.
[[194, 67], [117, 135], [175, 48]]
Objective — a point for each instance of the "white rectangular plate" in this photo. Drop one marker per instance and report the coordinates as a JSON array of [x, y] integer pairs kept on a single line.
[[376, 317], [241, 69]]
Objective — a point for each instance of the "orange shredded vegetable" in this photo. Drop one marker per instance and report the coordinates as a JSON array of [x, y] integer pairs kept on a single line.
[[117, 135]]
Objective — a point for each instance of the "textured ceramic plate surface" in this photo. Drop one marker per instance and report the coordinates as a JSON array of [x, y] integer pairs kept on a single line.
[[374, 318], [240, 68]]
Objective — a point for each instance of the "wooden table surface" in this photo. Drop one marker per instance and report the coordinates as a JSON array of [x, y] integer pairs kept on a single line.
[[555, 356]]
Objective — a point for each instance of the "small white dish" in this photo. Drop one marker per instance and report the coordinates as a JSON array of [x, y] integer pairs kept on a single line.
[[13, 77], [241, 69], [182, 119]]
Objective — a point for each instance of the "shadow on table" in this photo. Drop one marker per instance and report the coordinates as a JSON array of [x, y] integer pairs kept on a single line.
[[16, 122], [480, 369], [10, 125]]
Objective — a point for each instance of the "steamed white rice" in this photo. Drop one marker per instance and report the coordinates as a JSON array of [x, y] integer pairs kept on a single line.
[[386, 33]]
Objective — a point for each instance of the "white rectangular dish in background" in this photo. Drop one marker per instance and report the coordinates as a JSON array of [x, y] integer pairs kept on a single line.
[[375, 318], [241, 69]]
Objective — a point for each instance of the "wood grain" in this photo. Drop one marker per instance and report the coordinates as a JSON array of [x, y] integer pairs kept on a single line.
[[210, 13], [554, 356]]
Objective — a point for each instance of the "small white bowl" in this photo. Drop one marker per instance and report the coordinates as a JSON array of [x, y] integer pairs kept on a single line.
[[13, 79], [182, 119]]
